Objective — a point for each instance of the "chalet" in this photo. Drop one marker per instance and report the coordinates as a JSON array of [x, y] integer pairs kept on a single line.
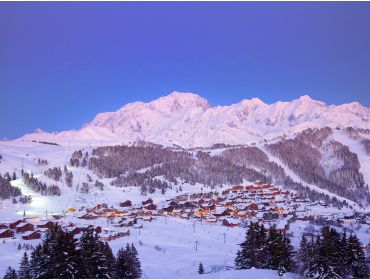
[[45, 224], [6, 233], [168, 209], [100, 206], [304, 217], [149, 201], [252, 206], [221, 211], [77, 230], [238, 188], [150, 207], [245, 214], [98, 229], [127, 203], [32, 235], [188, 204], [201, 212], [126, 223], [230, 222], [13, 225], [209, 207], [268, 216], [174, 205], [23, 227], [88, 216]]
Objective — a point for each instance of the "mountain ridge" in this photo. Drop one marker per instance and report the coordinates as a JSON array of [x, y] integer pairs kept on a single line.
[[189, 120]]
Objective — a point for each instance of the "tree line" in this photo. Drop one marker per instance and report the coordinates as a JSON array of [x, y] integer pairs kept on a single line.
[[6, 189], [40, 187], [61, 256], [329, 255], [266, 249], [311, 151], [333, 255]]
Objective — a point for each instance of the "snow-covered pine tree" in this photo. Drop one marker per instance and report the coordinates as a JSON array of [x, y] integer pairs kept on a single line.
[[247, 254], [356, 259], [200, 268], [367, 253], [316, 267], [304, 254], [97, 258], [331, 252], [327, 256], [127, 264], [57, 257], [65, 257], [121, 264], [10, 273], [344, 269], [24, 268], [37, 262], [287, 260], [136, 269], [261, 242], [111, 260]]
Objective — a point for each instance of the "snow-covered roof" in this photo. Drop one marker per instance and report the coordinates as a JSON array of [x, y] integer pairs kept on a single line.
[[3, 230]]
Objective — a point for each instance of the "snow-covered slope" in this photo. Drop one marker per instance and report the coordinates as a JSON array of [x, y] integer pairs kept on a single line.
[[188, 120]]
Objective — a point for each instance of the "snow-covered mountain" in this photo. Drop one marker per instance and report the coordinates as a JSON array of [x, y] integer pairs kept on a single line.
[[188, 120]]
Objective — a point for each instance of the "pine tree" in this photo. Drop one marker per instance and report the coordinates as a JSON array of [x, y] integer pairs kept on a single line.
[[287, 262], [327, 252], [247, 254], [14, 177], [304, 254], [261, 241], [344, 256], [111, 260], [367, 253], [98, 259], [57, 257], [279, 252], [10, 273], [121, 264], [127, 264], [66, 258], [316, 265], [331, 252], [136, 271], [200, 269], [37, 262], [24, 268], [356, 259]]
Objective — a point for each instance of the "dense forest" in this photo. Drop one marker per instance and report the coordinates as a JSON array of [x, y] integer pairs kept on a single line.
[[61, 256], [305, 156]]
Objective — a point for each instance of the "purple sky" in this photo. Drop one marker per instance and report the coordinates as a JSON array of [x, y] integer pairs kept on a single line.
[[61, 63]]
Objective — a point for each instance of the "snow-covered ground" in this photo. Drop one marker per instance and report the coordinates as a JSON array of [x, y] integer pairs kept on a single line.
[[167, 246], [171, 248]]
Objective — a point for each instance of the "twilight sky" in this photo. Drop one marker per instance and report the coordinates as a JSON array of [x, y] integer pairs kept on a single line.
[[61, 63]]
